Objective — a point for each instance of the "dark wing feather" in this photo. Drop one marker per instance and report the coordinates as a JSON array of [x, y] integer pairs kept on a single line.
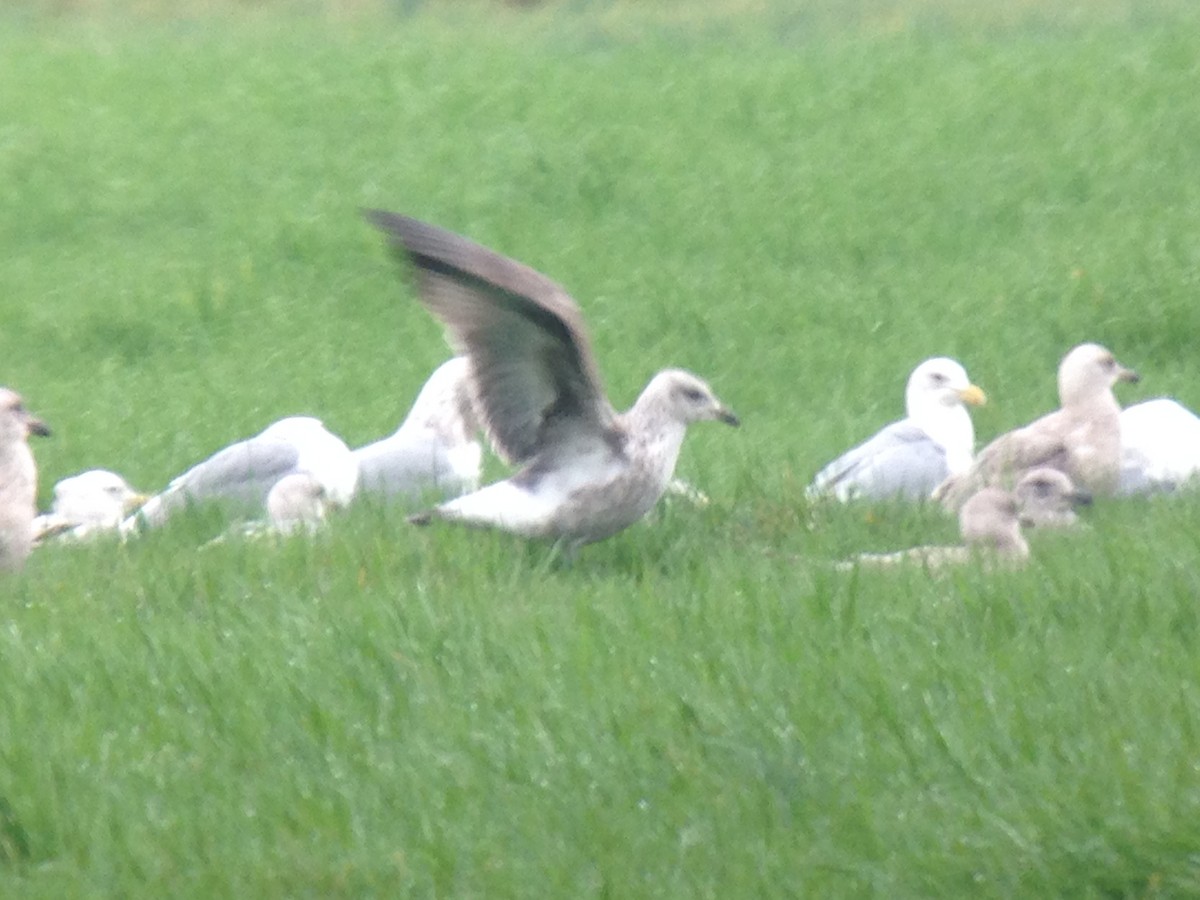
[[531, 360]]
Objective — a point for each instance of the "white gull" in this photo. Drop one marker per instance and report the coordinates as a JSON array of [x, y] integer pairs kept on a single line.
[[241, 475], [1160, 447], [87, 504], [435, 449], [911, 457]]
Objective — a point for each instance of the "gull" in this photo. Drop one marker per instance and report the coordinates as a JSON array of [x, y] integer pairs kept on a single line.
[[990, 525], [434, 449], [1081, 439], [18, 479], [297, 502], [1160, 447], [990, 522], [911, 457], [242, 474], [1048, 499], [586, 471], [87, 504]]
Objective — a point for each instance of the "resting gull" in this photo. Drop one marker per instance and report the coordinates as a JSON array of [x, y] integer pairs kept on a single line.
[[87, 504], [587, 471], [18, 479], [1048, 499], [436, 446], [911, 457], [990, 523], [1082, 438], [242, 474], [1160, 447], [297, 502]]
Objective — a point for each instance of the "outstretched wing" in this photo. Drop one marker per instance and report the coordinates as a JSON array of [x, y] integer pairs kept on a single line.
[[532, 364]]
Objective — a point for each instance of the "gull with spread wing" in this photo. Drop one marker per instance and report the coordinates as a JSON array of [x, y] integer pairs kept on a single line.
[[586, 471]]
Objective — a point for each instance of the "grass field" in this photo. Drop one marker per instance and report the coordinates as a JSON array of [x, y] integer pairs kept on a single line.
[[799, 202]]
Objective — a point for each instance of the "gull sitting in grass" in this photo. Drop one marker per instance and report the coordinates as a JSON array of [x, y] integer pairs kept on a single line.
[[435, 449], [86, 505], [1081, 439], [241, 476], [587, 471], [1160, 447], [990, 526], [18, 480], [1048, 499], [990, 523], [911, 457], [297, 502]]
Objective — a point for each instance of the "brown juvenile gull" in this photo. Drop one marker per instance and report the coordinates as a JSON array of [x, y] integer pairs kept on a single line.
[[587, 471], [18, 479], [1160, 447], [241, 475], [87, 504], [435, 449], [1048, 499], [990, 525], [1082, 438], [990, 522], [911, 457]]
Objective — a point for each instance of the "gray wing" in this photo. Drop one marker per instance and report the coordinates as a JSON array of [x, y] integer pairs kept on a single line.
[[901, 460], [531, 360], [241, 474], [245, 470], [407, 469]]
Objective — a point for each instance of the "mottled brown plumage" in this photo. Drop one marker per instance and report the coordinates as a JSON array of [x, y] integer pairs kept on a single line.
[[588, 471]]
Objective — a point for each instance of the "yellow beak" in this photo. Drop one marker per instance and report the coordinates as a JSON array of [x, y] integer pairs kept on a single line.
[[973, 396]]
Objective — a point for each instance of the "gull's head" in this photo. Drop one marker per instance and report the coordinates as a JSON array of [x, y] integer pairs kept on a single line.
[[687, 398], [1048, 497], [297, 500], [1090, 370], [95, 497], [16, 422], [940, 382], [991, 519]]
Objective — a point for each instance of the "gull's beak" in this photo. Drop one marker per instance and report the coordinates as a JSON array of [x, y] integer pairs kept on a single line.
[[972, 395], [135, 501], [1080, 498], [726, 415], [1128, 375], [37, 426]]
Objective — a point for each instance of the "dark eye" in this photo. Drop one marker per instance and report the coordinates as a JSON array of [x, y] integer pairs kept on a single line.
[[693, 395], [938, 378]]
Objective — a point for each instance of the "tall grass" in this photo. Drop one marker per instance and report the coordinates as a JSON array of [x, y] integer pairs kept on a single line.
[[701, 706]]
